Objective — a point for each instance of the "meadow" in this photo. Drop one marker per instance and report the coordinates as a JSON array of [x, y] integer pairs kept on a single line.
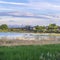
[[30, 52]]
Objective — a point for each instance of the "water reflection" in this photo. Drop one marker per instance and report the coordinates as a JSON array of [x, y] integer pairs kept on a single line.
[[28, 36]]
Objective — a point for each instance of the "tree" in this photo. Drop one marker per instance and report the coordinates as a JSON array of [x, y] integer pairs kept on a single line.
[[39, 28], [52, 28], [3, 26]]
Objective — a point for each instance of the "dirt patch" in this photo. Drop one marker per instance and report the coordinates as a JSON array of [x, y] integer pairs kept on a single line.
[[27, 42]]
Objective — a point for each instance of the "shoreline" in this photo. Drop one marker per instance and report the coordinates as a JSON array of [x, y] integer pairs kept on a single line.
[[27, 42], [53, 34], [44, 39]]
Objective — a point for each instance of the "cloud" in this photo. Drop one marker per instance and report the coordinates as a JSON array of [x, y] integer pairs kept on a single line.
[[44, 6], [30, 8], [26, 21], [3, 8], [18, 14], [27, 13], [34, 4], [14, 3]]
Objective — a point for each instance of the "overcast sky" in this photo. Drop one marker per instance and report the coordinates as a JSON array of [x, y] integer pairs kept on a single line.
[[41, 12]]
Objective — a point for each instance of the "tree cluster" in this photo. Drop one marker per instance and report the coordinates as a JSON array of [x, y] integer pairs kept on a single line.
[[51, 28]]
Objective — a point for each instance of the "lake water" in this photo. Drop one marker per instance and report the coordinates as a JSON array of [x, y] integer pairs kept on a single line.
[[28, 36]]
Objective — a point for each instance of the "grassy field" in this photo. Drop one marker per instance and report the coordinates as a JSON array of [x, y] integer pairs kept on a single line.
[[30, 52]]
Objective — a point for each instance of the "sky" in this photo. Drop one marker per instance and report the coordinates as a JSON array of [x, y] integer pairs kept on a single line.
[[30, 12]]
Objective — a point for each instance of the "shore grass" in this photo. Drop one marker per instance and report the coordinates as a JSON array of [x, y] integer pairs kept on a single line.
[[55, 34], [30, 52]]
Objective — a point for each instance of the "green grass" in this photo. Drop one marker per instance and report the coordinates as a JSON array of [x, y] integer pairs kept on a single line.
[[32, 52]]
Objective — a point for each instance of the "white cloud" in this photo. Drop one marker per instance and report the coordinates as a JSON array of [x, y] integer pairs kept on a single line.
[[24, 21], [44, 6], [33, 4], [14, 3], [2, 8], [29, 21]]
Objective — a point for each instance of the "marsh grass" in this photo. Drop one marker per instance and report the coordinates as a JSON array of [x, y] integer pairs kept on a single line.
[[30, 52]]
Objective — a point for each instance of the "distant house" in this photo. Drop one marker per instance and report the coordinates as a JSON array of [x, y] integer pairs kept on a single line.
[[34, 28], [46, 27], [28, 27]]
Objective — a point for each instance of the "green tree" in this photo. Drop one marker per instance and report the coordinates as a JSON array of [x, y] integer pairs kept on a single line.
[[39, 28], [52, 28], [3, 27]]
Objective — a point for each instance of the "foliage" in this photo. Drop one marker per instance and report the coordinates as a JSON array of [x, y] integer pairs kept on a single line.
[[3, 27], [51, 28], [45, 52], [39, 28]]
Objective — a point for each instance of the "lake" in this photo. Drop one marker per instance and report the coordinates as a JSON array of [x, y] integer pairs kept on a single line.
[[28, 36]]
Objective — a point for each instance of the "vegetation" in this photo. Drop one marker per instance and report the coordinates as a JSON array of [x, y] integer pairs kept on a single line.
[[32, 52], [39, 28], [51, 28], [3, 27]]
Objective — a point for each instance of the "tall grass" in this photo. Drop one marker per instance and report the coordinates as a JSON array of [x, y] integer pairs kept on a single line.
[[32, 52]]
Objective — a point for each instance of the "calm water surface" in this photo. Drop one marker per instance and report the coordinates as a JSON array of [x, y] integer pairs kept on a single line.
[[28, 36]]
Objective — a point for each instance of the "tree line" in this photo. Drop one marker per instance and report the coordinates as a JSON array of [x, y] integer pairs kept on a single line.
[[51, 28]]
